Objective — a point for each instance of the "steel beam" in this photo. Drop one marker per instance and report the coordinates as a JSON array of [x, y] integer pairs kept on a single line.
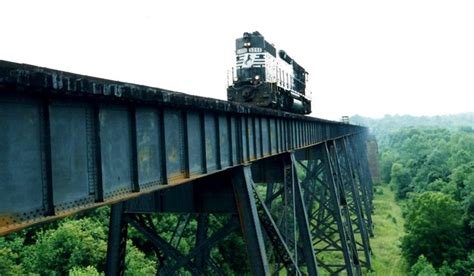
[[354, 188], [249, 221], [201, 236], [329, 220], [117, 241], [334, 164], [354, 210], [303, 224], [169, 250], [363, 179]]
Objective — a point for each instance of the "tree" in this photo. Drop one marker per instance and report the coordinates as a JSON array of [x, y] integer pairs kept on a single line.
[[387, 159], [466, 266], [446, 270], [400, 180], [8, 265], [434, 229], [75, 243], [422, 268], [136, 263], [84, 271], [10, 249]]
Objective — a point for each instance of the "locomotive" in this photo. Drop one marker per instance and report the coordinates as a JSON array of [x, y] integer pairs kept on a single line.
[[265, 76]]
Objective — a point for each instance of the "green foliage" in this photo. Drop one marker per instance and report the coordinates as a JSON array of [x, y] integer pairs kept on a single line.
[[465, 266], [383, 128], [74, 246], [84, 271], [386, 164], [429, 162], [76, 243], [233, 248], [400, 178], [137, 263], [434, 229], [422, 268], [446, 270], [8, 261], [10, 249], [468, 219], [387, 258]]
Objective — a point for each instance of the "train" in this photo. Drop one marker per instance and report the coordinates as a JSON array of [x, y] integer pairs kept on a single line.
[[265, 76]]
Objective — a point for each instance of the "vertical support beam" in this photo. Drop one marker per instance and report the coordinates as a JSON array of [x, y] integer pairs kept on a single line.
[[117, 241], [290, 213], [134, 148], [98, 155], [363, 182], [329, 179], [357, 205], [346, 208], [303, 224], [48, 199], [365, 167], [201, 236], [269, 195], [250, 224]]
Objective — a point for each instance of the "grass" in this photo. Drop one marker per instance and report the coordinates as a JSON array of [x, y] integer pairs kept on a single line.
[[388, 229]]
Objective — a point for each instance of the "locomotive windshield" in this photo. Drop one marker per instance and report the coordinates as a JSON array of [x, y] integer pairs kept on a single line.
[[253, 43], [249, 41]]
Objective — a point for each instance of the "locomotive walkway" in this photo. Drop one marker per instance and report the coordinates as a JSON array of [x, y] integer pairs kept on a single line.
[[297, 187]]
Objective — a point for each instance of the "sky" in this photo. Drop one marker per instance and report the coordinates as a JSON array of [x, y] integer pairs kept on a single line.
[[363, 57]]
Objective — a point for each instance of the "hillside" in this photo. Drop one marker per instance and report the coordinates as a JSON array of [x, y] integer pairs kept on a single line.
[[389, 124]]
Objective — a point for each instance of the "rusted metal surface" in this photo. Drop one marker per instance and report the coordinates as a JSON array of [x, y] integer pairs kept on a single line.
[[71, 142], [373, 158]]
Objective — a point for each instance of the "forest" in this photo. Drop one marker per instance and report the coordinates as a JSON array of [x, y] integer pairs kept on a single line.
[[427, 163]]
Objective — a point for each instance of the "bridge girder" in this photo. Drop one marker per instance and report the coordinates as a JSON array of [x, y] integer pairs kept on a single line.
[[72, 143]]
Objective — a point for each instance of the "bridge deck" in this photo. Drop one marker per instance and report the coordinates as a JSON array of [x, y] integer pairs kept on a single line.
[[71, 142]]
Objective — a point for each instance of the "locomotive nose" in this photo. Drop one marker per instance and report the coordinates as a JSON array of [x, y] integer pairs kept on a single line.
[[247, 94]]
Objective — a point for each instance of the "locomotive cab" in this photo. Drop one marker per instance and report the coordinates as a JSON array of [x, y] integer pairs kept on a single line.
[[250, 59]]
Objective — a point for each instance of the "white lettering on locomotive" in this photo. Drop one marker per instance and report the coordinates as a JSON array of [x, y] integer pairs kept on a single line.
[[241, 51], [255, 50]]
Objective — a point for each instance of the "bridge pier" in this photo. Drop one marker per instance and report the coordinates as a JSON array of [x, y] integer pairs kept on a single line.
[[338, 205], [358, 154], [293, 210]]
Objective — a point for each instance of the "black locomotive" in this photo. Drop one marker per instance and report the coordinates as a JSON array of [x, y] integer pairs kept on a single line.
[[267, 77]]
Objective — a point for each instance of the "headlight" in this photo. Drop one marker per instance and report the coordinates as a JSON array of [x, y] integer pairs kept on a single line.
[[257, 77]]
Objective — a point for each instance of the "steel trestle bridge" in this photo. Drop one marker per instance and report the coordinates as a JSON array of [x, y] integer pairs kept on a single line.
[[297, 188]]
